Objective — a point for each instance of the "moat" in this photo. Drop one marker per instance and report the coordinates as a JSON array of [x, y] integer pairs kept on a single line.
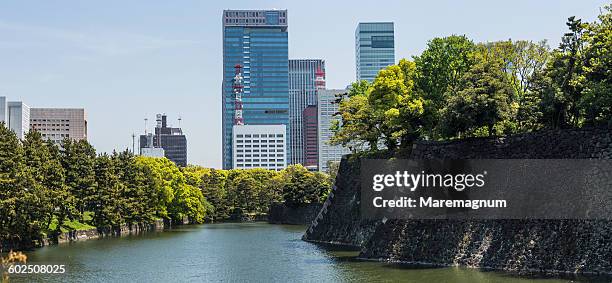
[[231, 252]]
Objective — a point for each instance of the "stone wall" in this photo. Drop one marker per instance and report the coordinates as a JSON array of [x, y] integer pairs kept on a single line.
[[98, 233], [298, 215], [566, 246]]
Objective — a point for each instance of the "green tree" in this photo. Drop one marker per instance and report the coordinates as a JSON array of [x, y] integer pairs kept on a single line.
[[213, 189], [482, 107], [106, 202], [596, 101], [439, 71], [396, 109], [355, 128], [78, 158]]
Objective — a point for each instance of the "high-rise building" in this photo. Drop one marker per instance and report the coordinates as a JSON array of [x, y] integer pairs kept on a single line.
[[302, 93], [259, 146], [171, 140], [374, 49], [327, 107], [56, 124], [256, 40], [16, 116], [148, 149], [310, 138]]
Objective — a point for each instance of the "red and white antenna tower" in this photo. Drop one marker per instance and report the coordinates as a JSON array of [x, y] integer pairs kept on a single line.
[[238, 90], [319, 79]]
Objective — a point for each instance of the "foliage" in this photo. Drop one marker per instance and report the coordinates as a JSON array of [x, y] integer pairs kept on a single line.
[[482, 105], [48, 189], [457, 88]]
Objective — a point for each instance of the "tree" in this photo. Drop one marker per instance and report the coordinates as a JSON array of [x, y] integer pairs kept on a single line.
[[106, 201], [301, 186], [78, 158], [213, 188], [11, 182], [482, 106], [596, 101], [45, 178], [439, 70], [396, 109], [356, 129]]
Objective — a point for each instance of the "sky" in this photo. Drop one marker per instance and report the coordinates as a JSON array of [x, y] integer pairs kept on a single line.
[[124, 61]]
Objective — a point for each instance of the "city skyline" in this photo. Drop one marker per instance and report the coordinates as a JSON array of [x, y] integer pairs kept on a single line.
[[168, 59]]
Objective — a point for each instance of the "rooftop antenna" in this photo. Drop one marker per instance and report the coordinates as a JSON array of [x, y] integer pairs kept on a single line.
[[146, 120], [179, 120], [133, 142]]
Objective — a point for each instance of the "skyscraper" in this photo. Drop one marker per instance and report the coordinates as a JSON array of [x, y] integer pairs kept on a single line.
[[374, 49], [327, 107], [302, 93], [257, 40], [16, 116], [171, 140], [56, 124], [310, 137]]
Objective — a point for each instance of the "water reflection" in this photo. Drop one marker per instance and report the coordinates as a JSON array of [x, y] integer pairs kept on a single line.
[[253, 252]]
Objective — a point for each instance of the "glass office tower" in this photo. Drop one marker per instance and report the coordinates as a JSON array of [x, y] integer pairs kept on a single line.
[[302, 93], [258, 41], [374, 49]]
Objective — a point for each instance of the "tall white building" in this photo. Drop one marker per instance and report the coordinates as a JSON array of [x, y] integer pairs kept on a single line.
[[259, 146], [326, 110], [16, 116], [56, 124]]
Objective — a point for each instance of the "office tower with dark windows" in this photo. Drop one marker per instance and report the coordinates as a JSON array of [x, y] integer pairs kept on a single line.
[[304, 77], [310, 137], [374, 49], [172, 142], [257, 40]]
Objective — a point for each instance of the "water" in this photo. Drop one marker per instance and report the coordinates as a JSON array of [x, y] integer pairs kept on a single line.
[[253, 252]]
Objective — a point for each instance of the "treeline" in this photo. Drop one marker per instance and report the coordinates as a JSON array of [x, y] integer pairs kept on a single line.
[[45, 189], [238, 192], [457, 88]]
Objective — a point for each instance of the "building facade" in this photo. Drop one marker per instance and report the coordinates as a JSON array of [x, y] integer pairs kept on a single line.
[[16, 116], [257, 40], [310, 125], [56, 124], [259, 146], [326, 109], [171, 140], [374, 49], [302, 93]]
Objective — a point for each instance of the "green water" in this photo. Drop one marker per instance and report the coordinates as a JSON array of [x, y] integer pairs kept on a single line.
[[245, 252]]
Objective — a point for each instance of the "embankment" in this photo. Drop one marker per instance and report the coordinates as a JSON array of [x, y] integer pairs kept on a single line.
[[281, 213], [558, 246]]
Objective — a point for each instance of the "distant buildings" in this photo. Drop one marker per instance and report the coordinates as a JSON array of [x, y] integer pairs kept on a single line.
[[311, 139], [302, 93], [148, 149], [56, 124], [326, 110], [374, 49], [259, 146], [256, 40], [16, 116], [171, 140]]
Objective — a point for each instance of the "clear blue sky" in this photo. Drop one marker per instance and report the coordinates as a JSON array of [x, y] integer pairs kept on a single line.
[[126, 60]]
